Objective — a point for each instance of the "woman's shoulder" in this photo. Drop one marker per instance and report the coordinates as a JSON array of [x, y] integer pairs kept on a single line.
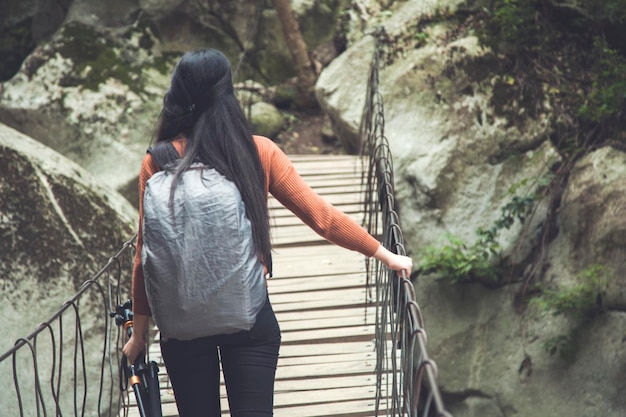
[[263, 142], [266, 147]]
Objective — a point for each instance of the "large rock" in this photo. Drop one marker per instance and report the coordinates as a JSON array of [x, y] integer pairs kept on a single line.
[[461, 151], [59, 226], [91, 97], [592, 225]]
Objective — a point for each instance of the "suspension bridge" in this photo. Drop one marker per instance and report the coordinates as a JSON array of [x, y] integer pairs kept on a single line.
[[354, 341]]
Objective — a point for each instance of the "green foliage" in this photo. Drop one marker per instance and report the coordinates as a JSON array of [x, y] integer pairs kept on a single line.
[[512, 20], [459, 262], [608, 90], [420, 38], [613, 11], [580, 300], [573, 56], [563, 345]]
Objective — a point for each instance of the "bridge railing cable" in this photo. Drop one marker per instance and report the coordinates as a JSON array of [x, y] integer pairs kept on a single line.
[[406, 377], [69, 364]]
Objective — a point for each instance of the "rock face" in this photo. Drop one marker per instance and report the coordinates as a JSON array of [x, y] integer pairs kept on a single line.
[[459, 158], [59, 226], [92, 86]]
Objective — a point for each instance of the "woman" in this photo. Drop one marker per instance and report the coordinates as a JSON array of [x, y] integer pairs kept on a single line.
[[203, 119]]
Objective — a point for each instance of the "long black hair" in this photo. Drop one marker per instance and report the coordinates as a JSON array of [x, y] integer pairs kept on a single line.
[[201, 105]]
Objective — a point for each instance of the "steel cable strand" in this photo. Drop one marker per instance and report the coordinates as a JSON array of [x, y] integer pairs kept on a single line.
[[409, 356], [22, 341], [419, 380], [80, 342], [59, 377], [77, 344], [380, 165], [370, 218], [37, 385], [109, 329], [395, 325], [54, 392], [56, 378], [386, 324], [114, 268], [38, 390], [414, 332], [382, 301], [106, 343]]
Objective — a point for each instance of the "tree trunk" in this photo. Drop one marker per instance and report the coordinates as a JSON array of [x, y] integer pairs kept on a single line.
[[305, 98]]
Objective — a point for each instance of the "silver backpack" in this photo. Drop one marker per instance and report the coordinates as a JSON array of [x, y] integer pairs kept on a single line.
[[202, 273]]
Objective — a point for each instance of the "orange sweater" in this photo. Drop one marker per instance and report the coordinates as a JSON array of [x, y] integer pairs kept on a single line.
[[286, 185]]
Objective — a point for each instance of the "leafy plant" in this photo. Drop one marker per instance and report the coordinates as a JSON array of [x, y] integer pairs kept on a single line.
[[459, 262], [510, 24], [608, 91], [563, 345], [613, 11], [578, 301]]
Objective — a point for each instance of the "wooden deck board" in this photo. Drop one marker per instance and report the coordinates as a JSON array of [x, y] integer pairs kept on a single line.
[[327, 358]]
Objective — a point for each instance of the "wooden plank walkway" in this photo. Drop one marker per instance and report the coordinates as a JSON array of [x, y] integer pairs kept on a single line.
[[327, 359]]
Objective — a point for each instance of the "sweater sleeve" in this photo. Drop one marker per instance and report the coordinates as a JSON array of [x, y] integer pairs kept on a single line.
[[288, 187], [140, 300]]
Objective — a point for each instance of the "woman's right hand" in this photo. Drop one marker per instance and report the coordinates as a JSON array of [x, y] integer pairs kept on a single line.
[[395, 262], [133, 348]]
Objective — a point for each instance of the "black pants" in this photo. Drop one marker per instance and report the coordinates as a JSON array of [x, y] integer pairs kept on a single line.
[[248, 361]]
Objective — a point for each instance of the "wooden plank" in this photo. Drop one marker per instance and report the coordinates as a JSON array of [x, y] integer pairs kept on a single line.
[[305, 316], [344, 409], [281, 216], [293, 398], [345, 279], [322, 252], [325, 359], [330, 188], [324, 323], [316, 336], [320, 183], [352, 207], [320, 348], [360, 408], [334, 298], [335, 198]]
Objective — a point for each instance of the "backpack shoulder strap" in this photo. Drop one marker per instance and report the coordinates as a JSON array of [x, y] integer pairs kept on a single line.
[[163, 153]]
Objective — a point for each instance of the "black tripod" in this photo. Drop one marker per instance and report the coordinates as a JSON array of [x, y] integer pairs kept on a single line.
[[143, 377]]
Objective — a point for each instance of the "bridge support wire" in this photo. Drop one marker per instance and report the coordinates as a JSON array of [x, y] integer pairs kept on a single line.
[[405, 385], [54, 370]]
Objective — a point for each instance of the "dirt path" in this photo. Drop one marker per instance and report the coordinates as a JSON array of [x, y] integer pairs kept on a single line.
[[309, 134]]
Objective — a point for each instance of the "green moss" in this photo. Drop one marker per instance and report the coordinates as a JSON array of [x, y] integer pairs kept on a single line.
[[36, 239], [96, 59], [573, 59], [89, 214], [606, 96], [33, 231]]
